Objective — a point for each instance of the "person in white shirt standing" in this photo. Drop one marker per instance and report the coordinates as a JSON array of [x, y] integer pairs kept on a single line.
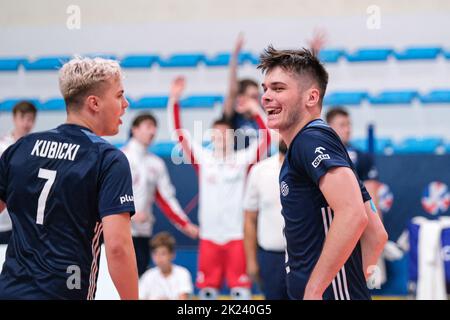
[[151, 183], [166, 281], [24, 117], [222, 174], [263, 227]]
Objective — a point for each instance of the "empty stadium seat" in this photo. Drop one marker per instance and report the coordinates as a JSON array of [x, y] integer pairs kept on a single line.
[[150, 102], [369, 54], [201, 101], [46, 63], [181, 60], [418, 53], [330, 55], [11, 64], [418, 145], [349, 98], [394, 97], [138, 61], [55, 104], [436, 96]]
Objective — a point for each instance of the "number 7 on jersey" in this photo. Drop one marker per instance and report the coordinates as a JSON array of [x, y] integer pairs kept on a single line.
[[50, 176]]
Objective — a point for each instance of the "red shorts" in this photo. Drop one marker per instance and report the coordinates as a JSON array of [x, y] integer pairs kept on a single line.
[[219, 261]]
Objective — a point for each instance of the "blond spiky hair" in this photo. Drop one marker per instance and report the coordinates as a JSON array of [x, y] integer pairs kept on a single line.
[[82, 76]]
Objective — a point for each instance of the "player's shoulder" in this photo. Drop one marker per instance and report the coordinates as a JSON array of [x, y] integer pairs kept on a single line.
[[155, 160]]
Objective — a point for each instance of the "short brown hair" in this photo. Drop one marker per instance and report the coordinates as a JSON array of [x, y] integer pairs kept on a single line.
[[144, 117], [24, 107], [244, 84], [300, 62], [163, 239], [334, 112]]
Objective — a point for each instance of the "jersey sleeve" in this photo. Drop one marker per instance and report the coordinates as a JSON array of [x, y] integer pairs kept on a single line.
[[186, 286], [316, 153], [115, 185], [251, 196]]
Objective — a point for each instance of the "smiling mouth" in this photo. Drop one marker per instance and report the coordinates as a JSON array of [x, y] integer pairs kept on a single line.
[[273, 111]]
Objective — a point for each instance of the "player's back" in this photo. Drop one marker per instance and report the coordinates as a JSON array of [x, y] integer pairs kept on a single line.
[[54, 195]]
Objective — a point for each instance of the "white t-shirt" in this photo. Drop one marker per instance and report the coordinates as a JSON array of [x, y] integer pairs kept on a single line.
[[153, 285], [5, 220], [151, 180], [262, 194]]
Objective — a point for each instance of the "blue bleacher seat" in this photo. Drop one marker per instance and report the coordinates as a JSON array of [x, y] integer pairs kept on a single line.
[[348, 98], [46, 63], [369, 54], [219, 60], [394, 97], [446, 53], [436, 96], [150, 102], [11, 64], [418, 145], [100, 55], [418, 53], [181, 60], [207, 101], [54, 104], [380, 144], [8, 104], [138, 61], [330, 55]]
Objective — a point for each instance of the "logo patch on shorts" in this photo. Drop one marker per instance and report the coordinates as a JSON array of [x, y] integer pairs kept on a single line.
[[320, 157], [284, 188]]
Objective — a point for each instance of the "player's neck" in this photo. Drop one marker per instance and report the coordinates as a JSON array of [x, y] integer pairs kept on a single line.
[[16, 134], [289, 134], [73, 118], [166, 271]]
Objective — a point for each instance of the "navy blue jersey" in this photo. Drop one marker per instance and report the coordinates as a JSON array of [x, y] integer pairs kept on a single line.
[[314, 150], [363, 163], [57, 186]]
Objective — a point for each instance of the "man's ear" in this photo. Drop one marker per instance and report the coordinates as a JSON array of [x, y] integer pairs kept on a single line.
[[313, 97], [92, 102]]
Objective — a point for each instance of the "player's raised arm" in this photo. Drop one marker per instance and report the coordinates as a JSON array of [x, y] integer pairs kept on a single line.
[[120, 255], [340, 188], [264, 136], [174, 120], [169, 205], [230, 100]]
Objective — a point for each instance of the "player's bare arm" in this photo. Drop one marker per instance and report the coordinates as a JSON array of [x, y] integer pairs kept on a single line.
[[341, 190], [373, 239], [120, 255], [250, 243]]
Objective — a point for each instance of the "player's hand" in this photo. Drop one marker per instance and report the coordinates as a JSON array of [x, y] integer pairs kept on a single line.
[[177, 87], [140, 217], [318, 40], [191, 230], [311, 294], [253, 270]]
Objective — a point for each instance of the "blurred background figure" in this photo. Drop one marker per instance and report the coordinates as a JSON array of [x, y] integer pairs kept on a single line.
[[263, 227], [151, 183], [24, 117], [166, 281]]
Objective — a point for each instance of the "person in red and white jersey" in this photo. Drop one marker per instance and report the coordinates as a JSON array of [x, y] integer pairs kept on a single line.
[[24, 117], [222, 173], [151, 183]]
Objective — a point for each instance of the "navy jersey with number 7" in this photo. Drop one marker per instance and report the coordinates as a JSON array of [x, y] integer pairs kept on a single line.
[[57, 186], [308, 217]]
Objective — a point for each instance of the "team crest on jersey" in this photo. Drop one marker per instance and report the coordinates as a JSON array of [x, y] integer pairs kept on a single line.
[[320, 157], [436, 198], [284, 188]]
